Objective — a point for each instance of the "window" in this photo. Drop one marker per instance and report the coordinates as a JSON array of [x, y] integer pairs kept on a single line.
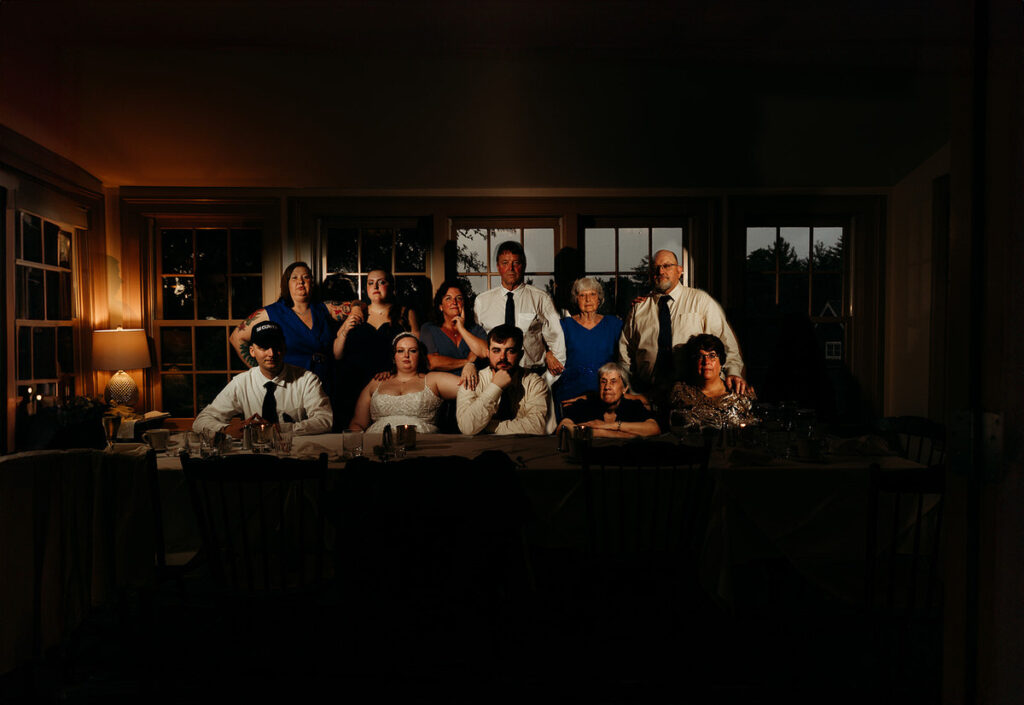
[[620, 258], [477, 243], [805, 278], [45, 307], [207, 279], [399, 246], [794, 303], [797, 272]]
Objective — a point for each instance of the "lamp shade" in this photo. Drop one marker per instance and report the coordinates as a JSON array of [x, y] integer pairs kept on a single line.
[[120, 349]]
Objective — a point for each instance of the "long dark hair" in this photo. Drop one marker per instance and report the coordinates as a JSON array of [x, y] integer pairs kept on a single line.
[[422, 366], [286, 295], [397, 313], [463, 286]]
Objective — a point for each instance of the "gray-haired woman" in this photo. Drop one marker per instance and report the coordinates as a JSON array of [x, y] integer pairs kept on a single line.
[[590, 341], [608, 411]]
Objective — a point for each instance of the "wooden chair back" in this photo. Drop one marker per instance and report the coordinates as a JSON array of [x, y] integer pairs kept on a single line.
[[916, 438], [262, 520], [903, 538], [645, 497], [903, 590]]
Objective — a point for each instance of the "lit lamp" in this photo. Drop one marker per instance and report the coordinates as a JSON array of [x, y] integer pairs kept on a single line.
[[120, 350]]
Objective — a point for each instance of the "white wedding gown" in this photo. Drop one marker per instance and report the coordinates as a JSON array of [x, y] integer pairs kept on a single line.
[[419, 409]]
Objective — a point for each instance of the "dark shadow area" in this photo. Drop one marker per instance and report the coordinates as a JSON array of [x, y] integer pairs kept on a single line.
[[436, 596]]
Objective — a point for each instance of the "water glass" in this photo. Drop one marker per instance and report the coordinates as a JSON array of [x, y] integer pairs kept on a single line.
[[678, 420], [111, 424], [352, 443], [284, 441], [194, 444]]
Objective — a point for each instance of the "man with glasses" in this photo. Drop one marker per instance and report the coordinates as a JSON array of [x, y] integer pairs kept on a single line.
[[669, 317]]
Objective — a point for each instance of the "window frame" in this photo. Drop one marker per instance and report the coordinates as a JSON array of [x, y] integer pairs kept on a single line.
[[158, 322], [141, 209], [521, 223], [384, 222], [74, 323], [863, 219], [685, 223]]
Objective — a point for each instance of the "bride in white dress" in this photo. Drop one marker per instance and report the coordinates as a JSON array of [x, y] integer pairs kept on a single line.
[[410, 396]]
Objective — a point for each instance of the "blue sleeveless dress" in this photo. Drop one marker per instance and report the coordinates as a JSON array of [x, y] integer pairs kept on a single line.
[[585, 352], [310, 349]]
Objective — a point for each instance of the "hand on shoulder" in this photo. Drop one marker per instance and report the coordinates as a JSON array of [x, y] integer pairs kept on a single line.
[[738, 385]]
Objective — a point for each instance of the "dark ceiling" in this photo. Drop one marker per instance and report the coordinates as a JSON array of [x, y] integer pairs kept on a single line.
[[482, 94]]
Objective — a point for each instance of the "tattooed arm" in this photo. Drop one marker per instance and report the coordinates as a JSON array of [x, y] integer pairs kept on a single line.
[[240, 336], [349, 315]]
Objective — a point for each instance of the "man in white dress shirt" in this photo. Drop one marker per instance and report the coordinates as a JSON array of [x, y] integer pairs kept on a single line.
[[527, 308], [273, 391], [507, 399], [645, 346]]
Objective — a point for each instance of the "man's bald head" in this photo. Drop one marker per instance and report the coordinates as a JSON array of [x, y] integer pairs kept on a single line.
[[665, 271]]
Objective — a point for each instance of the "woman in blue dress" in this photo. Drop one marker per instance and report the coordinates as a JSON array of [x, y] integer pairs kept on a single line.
[[591, 340], [311, 328]]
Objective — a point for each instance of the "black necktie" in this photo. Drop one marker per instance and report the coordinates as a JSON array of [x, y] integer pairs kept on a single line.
[[510, 310], [663, 363], [269, 403]]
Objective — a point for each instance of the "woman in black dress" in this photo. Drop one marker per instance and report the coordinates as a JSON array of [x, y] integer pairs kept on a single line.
[[608, 411], [366, 344]]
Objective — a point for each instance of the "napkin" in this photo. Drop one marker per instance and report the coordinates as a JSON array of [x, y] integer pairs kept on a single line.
[[312, 450]]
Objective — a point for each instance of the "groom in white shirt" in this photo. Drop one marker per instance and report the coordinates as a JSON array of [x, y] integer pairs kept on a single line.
[[507, 399]]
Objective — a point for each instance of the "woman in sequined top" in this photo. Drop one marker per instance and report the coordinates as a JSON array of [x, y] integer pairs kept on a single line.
[[703, 399]]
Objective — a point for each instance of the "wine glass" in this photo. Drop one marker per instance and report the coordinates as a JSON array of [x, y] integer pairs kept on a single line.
[[677, 422], [111, 424]]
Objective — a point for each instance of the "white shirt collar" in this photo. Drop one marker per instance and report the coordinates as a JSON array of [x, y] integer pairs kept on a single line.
[[675, 292], [279, 380]]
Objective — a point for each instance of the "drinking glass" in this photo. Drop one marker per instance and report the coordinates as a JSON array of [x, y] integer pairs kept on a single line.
[[284, 441], [677, 421], [208, 443], [194, 443], [352, 443], [263, 438], [110, 426]]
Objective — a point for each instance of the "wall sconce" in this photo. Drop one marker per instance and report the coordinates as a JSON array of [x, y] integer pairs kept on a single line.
[[121, 350]]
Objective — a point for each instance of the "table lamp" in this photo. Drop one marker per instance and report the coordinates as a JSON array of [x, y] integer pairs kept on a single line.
[[120, 350]]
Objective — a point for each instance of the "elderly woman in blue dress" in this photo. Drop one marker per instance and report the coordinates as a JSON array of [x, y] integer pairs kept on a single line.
[[591, 340]]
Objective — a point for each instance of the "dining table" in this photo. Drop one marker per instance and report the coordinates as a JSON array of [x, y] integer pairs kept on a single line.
[[78, 525], [808, 510]]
